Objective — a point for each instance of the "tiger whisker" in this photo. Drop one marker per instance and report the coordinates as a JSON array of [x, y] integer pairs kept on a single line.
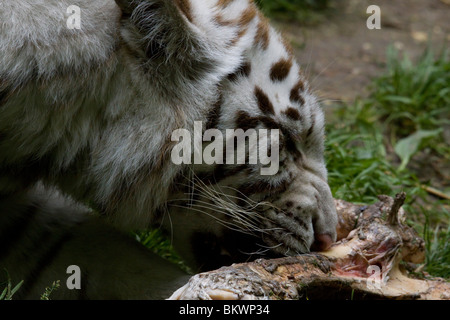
[[241, 218], [244, 222], [221, 222], [248, 219], [217, 197], [260, 252], [269, 247], [208, 190]]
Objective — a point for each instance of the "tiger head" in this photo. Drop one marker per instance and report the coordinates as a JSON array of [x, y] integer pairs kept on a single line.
[[223, 209]]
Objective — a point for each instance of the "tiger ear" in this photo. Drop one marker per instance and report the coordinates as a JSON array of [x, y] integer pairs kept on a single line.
[[161, 34], [128, 6], [158, 27], [181, 6]]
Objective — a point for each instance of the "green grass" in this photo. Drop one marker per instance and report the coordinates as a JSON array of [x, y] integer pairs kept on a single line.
[[413, 100], [412, 97], [8, 288], [49, 290], [158, 243], [438, 252], [405, 114]]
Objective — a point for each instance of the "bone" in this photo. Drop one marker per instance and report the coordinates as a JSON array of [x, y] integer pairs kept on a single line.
[[364, 263]]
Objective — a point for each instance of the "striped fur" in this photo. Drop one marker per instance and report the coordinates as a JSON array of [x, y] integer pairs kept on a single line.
[[86, 117]]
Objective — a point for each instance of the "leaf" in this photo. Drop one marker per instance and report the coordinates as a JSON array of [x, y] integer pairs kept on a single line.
[[17, 287], [3, 295], [401, 99], [407, 147]]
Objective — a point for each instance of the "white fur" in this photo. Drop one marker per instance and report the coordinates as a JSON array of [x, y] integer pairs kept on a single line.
[[81, 105]]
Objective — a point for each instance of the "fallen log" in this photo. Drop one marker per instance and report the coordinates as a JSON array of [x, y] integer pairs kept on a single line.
[[368, 261]]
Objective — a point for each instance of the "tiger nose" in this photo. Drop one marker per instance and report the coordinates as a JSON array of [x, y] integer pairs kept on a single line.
[[321, 242]]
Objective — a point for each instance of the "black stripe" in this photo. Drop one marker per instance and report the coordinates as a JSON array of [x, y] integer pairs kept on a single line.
[[242, 71], [270, 123], [4, 90], [220, 172], [313, 124], [291, 147], [295, 95], [296, 219], [280, 70], [214, 114], [300, 222], [263, 187], [3, 96], [263, 100], [292, 114], [245, 121]]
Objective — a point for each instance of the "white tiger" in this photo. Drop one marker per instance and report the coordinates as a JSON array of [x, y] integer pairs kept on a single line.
[[86, 118]]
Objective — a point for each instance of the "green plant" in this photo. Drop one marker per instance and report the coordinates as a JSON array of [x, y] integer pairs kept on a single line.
[[158, 243], [359, 171], [48, 290], [357, 162], [402, 117], [438, 251], [414, 97], [405, 148], [9, 291]]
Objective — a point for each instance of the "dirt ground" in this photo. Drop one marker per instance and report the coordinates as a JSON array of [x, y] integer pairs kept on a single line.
[[341, 55]]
